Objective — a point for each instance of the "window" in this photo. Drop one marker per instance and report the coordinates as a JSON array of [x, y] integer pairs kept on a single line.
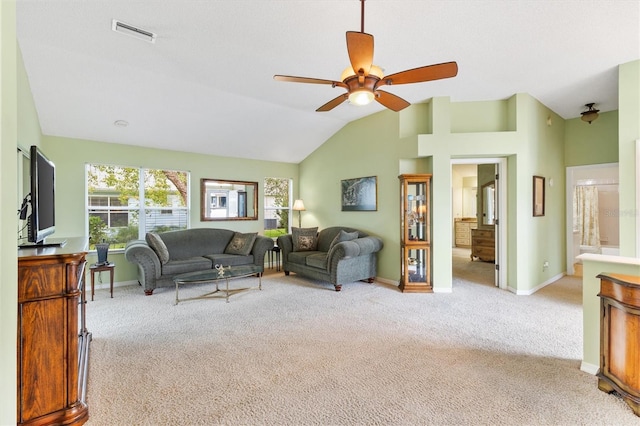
[[124, 203], [277, 193]]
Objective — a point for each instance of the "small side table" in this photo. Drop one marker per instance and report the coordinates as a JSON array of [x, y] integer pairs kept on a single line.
[[99, 268], [274, 252]]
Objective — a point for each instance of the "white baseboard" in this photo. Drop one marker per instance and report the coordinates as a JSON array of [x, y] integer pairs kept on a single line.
[[544, 284], [589, 368]]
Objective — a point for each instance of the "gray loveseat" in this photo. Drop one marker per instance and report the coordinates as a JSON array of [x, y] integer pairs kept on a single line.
[[338, 254], [160, 257]]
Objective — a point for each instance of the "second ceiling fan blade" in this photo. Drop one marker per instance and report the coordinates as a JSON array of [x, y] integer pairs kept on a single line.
[[292, 79], [360, 49], [333, 103], [391, 101], [418, 75]]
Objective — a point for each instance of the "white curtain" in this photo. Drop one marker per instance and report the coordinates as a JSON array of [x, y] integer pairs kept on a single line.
[[585, 215]]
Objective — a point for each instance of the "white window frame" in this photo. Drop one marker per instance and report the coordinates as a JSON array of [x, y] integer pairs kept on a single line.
[[140, 206]]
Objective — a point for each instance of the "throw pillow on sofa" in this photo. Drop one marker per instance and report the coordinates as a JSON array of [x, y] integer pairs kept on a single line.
[[241, 244], [343, 236], [156, 243], [305, 239]]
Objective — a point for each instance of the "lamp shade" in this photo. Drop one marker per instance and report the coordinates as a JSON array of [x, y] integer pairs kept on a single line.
[[298, 205]]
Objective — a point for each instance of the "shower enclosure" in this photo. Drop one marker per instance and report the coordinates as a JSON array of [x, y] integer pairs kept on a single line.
[[593, 212]]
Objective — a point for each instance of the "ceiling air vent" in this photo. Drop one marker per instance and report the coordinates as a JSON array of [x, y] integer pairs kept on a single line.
[[121, 27]]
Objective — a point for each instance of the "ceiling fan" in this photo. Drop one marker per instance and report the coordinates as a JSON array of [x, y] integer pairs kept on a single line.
[[362, 79]]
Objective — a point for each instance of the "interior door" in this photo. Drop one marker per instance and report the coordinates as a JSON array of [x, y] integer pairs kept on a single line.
[[498, 211]]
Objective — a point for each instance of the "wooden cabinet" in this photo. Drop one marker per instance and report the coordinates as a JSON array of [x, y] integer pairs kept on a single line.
[[52, 344], [620, 337], [415, 233], [483, 242], [463, 232]]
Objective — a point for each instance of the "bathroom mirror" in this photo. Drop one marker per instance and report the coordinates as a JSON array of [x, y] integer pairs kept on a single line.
[[228, 200], [488, 203]]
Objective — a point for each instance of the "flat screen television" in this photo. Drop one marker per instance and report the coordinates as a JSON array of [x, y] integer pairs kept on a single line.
[[42, 221]]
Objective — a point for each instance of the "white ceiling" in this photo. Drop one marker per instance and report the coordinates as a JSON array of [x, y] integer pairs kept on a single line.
[[207, 85]]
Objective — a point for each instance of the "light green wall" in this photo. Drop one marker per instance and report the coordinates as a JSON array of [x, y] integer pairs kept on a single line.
[[535, 148], [28, 123], [8, 217], [595, 143], [71, 155], [366, 147], [383, 145], [484, 116], [629, 133]]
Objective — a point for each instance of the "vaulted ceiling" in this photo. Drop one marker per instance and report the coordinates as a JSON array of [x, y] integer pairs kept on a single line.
[[206, 84]]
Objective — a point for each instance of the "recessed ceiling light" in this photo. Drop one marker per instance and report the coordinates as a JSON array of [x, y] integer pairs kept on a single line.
[[121, 27], [121, 123]]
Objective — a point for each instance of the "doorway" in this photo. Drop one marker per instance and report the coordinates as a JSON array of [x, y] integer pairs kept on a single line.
[[592, 204], [479, 219]]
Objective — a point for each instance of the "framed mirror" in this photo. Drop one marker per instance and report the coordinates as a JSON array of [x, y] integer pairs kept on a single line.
[[488, 203], [228, 200]]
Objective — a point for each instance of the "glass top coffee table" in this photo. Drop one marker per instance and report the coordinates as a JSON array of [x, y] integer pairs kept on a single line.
[[216, 275]]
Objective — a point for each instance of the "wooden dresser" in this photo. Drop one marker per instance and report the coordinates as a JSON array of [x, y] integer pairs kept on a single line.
[[463, 229], [620, 337], [53, 343], [483, 242]]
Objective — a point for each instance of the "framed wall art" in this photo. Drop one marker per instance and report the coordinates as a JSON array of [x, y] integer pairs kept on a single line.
[[538, 196], [360, 194]]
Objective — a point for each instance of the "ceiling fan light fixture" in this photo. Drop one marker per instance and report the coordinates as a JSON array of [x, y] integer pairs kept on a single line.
[[590, 114], [363, 79], [374, 71], [347, 73], [377, 71], [361, 97]]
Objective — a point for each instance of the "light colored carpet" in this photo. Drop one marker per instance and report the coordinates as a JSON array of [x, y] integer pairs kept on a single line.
[[475, 271], [299, 353]]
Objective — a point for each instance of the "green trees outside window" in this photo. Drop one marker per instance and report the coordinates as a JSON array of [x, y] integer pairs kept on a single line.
[[276, 206], [124, 203]]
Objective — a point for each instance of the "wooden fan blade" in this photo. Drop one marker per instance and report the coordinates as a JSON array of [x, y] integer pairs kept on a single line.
[[360, 48], [421, 74], [333, 103], [293, 79], [391, 101]]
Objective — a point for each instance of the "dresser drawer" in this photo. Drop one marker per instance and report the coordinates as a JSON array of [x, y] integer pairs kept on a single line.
[[483, 233], [463, 233], [483, 244]]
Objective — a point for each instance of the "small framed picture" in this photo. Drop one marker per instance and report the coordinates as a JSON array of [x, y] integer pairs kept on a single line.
[[360, 194], [538, 196]]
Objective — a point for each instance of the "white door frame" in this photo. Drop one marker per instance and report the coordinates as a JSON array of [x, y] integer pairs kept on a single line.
[[570, 181], [501, 210]]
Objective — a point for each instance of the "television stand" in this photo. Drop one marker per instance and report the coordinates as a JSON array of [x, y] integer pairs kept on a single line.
[[48, 242]]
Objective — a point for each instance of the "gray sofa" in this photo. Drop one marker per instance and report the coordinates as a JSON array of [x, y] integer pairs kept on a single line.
[[160, 257], [339, 255]]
